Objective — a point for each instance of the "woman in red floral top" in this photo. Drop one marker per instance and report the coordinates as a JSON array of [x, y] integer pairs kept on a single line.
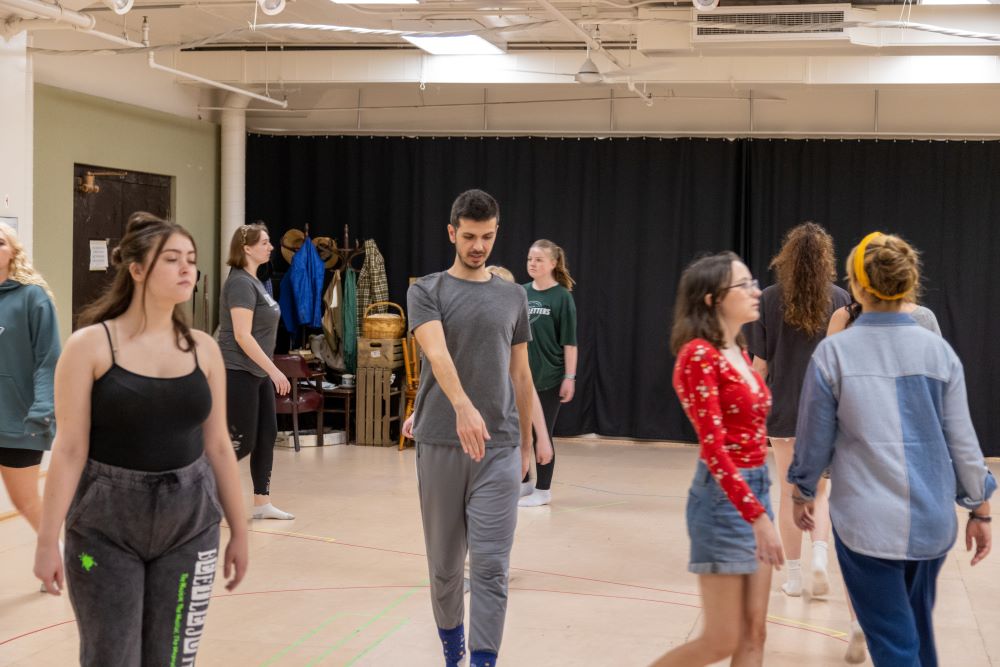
[[729, 510]]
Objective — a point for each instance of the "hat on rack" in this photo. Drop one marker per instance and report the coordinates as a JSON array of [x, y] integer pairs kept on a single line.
[[327, 249], [291, 241]]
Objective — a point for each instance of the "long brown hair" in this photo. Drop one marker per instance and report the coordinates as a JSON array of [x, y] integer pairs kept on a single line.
[[561, 270], [805, 268], [243, 236], [693, 318], [21, 269], [145, 236]]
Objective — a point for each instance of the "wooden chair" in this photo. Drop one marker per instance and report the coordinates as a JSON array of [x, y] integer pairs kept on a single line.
[[299, 400], [411, 364]]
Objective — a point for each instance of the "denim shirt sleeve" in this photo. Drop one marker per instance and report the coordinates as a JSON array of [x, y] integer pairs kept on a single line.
[[975, 482], [815, 432]]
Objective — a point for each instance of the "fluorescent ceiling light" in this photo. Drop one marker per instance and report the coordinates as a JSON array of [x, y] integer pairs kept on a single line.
[[375, 2], [462, 45]]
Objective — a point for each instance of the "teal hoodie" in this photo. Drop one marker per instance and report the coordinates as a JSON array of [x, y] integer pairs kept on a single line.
[[29, 348]]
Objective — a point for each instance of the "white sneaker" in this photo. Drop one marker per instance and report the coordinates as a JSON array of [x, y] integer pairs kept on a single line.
[[527, 488], [536, 499], [857, 648]]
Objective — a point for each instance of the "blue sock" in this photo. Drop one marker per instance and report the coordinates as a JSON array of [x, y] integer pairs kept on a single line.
[[453, 642], [483, 659]]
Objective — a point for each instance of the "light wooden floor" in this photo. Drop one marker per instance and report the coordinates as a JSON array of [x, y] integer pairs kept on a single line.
[[598, 578]]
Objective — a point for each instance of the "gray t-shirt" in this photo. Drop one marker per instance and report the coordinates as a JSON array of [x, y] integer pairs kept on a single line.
[[244, 291], [481, 321], [925, 317]]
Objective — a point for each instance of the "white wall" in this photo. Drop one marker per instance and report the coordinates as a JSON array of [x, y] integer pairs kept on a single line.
[[15, 135]]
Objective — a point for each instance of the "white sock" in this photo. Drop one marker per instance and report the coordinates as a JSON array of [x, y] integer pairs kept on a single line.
[[527, 488], [820, 579], [856, 645], [269, 511], [820, 555], [793, 578], [536, 499]]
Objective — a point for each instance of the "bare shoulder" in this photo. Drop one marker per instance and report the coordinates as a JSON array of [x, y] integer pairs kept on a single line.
[[90, 341], [205, 344], [87, 349]]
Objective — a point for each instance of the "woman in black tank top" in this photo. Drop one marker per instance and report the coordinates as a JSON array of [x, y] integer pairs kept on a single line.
[[142, 469]]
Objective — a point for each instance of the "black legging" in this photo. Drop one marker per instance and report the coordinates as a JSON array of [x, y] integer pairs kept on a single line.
[[253, 425], [550, 408]]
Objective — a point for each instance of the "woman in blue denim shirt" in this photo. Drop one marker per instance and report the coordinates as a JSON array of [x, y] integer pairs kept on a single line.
[[884, 406]]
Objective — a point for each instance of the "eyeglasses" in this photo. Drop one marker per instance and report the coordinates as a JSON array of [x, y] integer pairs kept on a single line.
[[748, 285]]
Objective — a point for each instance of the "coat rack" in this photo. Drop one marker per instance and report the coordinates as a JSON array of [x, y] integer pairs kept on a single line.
[[346, 252]]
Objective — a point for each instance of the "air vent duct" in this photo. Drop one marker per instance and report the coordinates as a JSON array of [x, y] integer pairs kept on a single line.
[[769, 24]]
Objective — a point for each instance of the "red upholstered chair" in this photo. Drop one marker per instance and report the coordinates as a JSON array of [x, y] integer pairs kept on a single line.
[[299, 400]]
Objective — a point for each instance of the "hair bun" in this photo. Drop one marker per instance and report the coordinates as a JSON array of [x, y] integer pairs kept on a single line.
[[116, 255]]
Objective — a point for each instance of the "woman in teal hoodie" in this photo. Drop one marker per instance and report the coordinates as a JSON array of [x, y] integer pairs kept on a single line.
[[29, 348]]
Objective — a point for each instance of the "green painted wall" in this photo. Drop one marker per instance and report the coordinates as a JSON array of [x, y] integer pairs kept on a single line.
[[73, 128]]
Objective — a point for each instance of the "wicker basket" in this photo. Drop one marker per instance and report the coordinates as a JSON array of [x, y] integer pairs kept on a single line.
[[384, 325]]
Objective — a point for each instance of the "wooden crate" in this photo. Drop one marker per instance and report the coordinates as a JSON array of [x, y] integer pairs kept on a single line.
[[380, 352], [375, 416]]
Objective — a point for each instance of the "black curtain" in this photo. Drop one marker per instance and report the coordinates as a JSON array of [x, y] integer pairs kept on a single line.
[[631, 213]]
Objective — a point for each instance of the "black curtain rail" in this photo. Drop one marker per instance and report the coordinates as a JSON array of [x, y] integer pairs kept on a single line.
[[631, 213]]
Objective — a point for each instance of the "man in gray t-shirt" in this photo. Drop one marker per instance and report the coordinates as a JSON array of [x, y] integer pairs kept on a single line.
[[473, 429]]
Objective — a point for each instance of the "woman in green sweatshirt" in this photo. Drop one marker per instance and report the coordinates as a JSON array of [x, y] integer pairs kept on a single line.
[[29, 348]]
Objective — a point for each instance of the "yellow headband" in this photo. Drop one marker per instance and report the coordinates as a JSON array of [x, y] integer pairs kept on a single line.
[[862, 277]]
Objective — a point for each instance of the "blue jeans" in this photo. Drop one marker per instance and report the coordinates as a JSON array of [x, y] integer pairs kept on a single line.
[[894, 601]]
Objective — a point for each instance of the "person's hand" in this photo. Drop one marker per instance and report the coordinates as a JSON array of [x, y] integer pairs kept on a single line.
[[281, 383], [803, 515], [543, 448], [567, 390], [769, 549], [471, 430], [980, 533], [408, 428], [49, 567], [236, 560]]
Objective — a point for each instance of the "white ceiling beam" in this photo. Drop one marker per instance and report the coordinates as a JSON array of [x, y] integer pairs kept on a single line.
[[372, 67]]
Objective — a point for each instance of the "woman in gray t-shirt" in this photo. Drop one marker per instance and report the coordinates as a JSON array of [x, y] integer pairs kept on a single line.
[[248, 326]]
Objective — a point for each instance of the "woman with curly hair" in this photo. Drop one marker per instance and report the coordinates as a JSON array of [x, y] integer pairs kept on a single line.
[[29, 349], [794, 313]]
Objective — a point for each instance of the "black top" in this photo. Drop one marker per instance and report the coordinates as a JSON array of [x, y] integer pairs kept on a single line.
[[787, 351], [145, 423]]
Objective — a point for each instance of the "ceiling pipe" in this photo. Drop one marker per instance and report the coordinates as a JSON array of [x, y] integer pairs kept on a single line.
[[51, 11], [200, 79], [593, 44], [216, 84], [56, 17]]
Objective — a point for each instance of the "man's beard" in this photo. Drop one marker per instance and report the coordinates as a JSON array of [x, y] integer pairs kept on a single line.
[[473, 267]]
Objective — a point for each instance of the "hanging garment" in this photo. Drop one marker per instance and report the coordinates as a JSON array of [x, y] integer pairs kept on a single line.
[[333, 322], [373, 286], [302, 290], [350, 312]]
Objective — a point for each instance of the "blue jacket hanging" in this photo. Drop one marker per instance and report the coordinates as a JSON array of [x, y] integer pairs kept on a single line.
[[301, 297]]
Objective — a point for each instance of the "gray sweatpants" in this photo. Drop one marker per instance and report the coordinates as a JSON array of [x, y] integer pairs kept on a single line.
[[469, 507], [141, 551]]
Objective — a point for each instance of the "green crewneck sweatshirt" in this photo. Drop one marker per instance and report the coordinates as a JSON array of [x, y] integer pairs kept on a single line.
[[29, 348]]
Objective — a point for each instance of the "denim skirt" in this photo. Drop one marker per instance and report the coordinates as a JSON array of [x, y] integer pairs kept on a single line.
[[722, 542]]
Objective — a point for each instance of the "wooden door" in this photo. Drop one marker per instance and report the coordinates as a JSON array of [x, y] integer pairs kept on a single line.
[[102, 215]]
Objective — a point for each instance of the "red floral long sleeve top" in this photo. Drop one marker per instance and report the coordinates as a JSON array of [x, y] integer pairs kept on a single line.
[[729, 417]]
